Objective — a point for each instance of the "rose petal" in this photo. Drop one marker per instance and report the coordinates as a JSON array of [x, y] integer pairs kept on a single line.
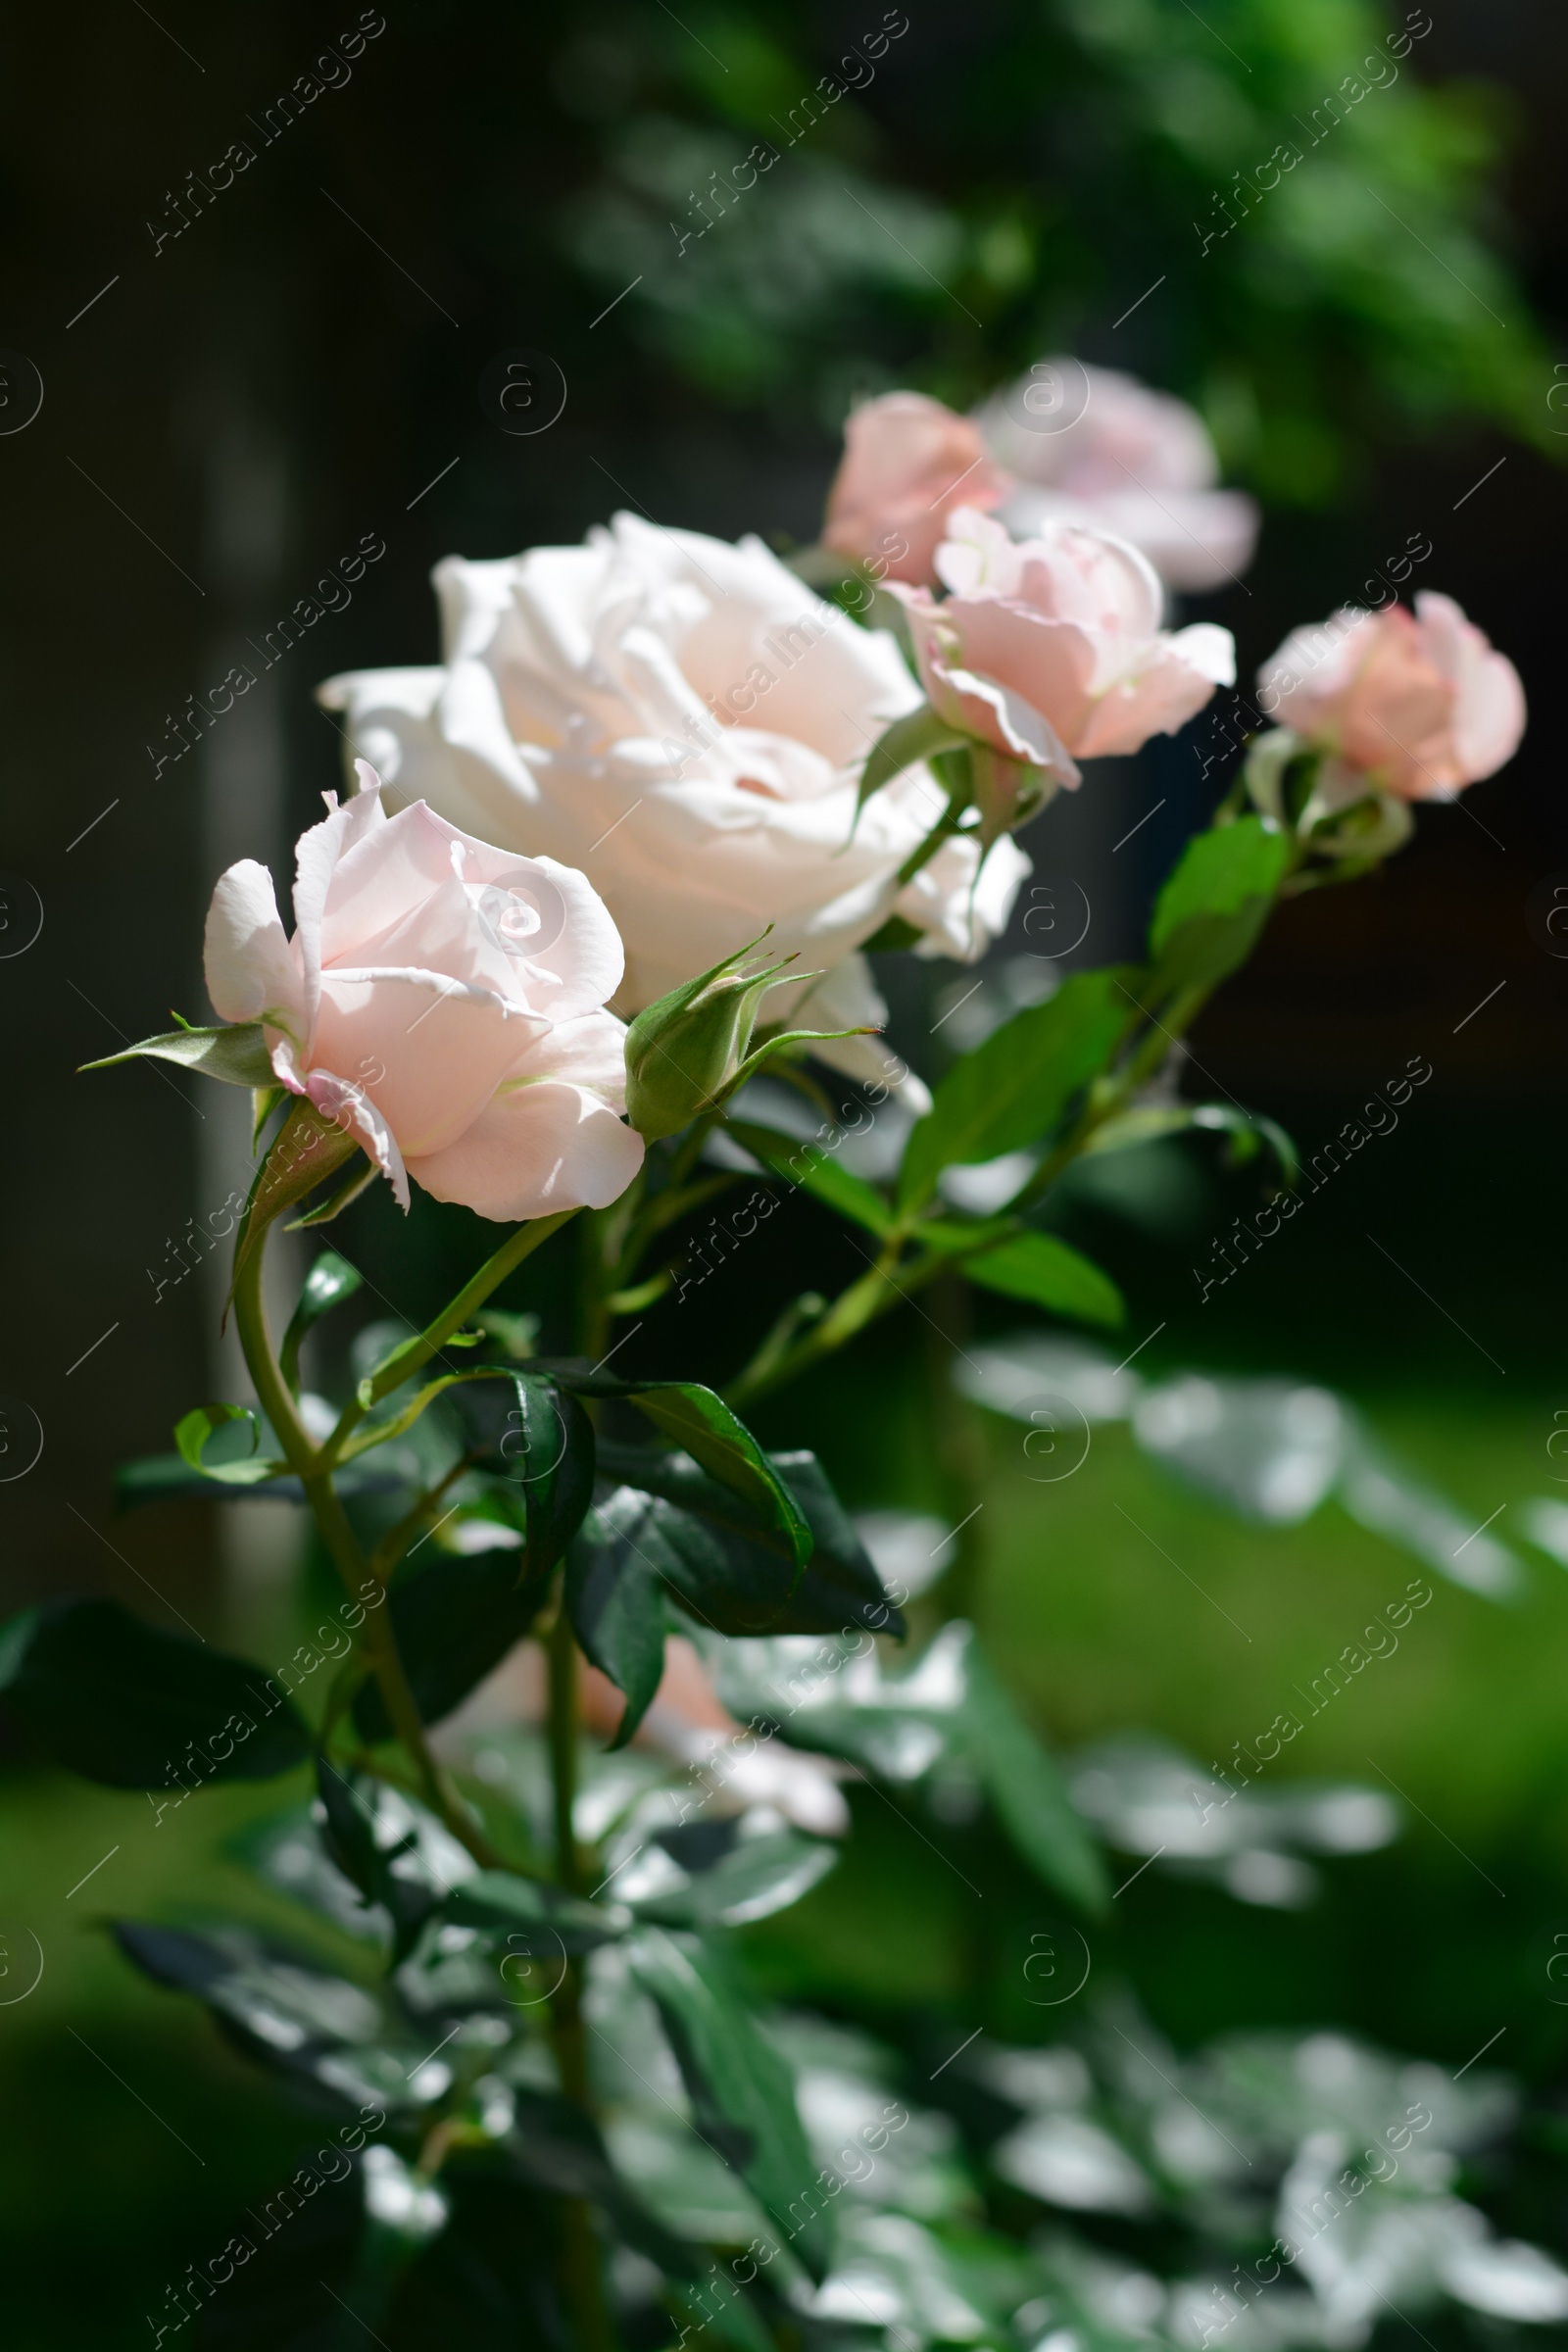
[[429, 1051], [250, 970], [535, 1149]]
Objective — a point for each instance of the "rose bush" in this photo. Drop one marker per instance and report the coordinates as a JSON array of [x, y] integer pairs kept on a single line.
[[445, 999], [1051, 651], [685, 721], [1413, 704]]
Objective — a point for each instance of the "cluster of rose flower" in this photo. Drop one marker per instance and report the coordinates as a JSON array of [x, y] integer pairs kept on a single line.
[[583, 822]]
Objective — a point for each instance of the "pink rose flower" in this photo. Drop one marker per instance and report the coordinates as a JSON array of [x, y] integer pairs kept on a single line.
[[445, 998], [907, 464], [1050, 650], [1092, 445], [1416, 703]]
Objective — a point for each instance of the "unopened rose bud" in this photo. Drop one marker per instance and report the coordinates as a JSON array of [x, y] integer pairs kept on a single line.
[[685, 1053]]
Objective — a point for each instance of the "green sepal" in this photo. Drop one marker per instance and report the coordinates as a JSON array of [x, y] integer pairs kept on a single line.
[[918, 735], [357, 1181], [306, 1150], [236, 1052]]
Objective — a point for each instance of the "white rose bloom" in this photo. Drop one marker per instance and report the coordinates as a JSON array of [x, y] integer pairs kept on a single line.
[[685, 721]]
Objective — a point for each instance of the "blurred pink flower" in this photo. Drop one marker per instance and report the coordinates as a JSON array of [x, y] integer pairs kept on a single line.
[[1051, 651], [907, 464], [1092, 445], [1416, 703]]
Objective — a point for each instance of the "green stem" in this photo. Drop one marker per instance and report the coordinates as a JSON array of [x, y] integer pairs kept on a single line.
[[943, 830], [960, 1445], [581, 2268], [378, 1639], [887, 1283], [562, 1654], [405, 1362]]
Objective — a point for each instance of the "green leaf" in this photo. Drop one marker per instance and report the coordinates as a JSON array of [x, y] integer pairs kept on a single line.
[[328, 1283], [236, 1052], [704, 1426], [896, 934], [729, 1585], [617, 1571], [839, 1591], [454, 1621], [502, 1906], [918, 735], [194, 1431], [1026, 1785], [368, 1833], [547, 1455], [742, 2093], [1248, 1131], [1210, 915], [1050, 1273], [282, 2009], [1015, 1088], [817, 1173], [168, 1478], [557, 2150], [121, 1702], [752, 1878], [732, 1587]]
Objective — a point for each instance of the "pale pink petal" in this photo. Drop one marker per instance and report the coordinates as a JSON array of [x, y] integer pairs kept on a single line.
[[316, 861], [575, 962], [906, 461], [1099, 581], [1491, 718], [977, 556], [346, 1105], [380, 877], [1312, 667], [350, 1108], [1488, 711], [429, 1051], [250, 970], [1395, 719], [537, 1149], [1048, 664], [589, 1052], [960, 902], [1156, 700]]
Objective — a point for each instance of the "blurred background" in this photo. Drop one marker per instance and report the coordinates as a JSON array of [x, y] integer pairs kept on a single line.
[[243, 382]]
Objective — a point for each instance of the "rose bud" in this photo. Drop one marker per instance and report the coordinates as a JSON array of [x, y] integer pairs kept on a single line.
[[1417, 705]]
